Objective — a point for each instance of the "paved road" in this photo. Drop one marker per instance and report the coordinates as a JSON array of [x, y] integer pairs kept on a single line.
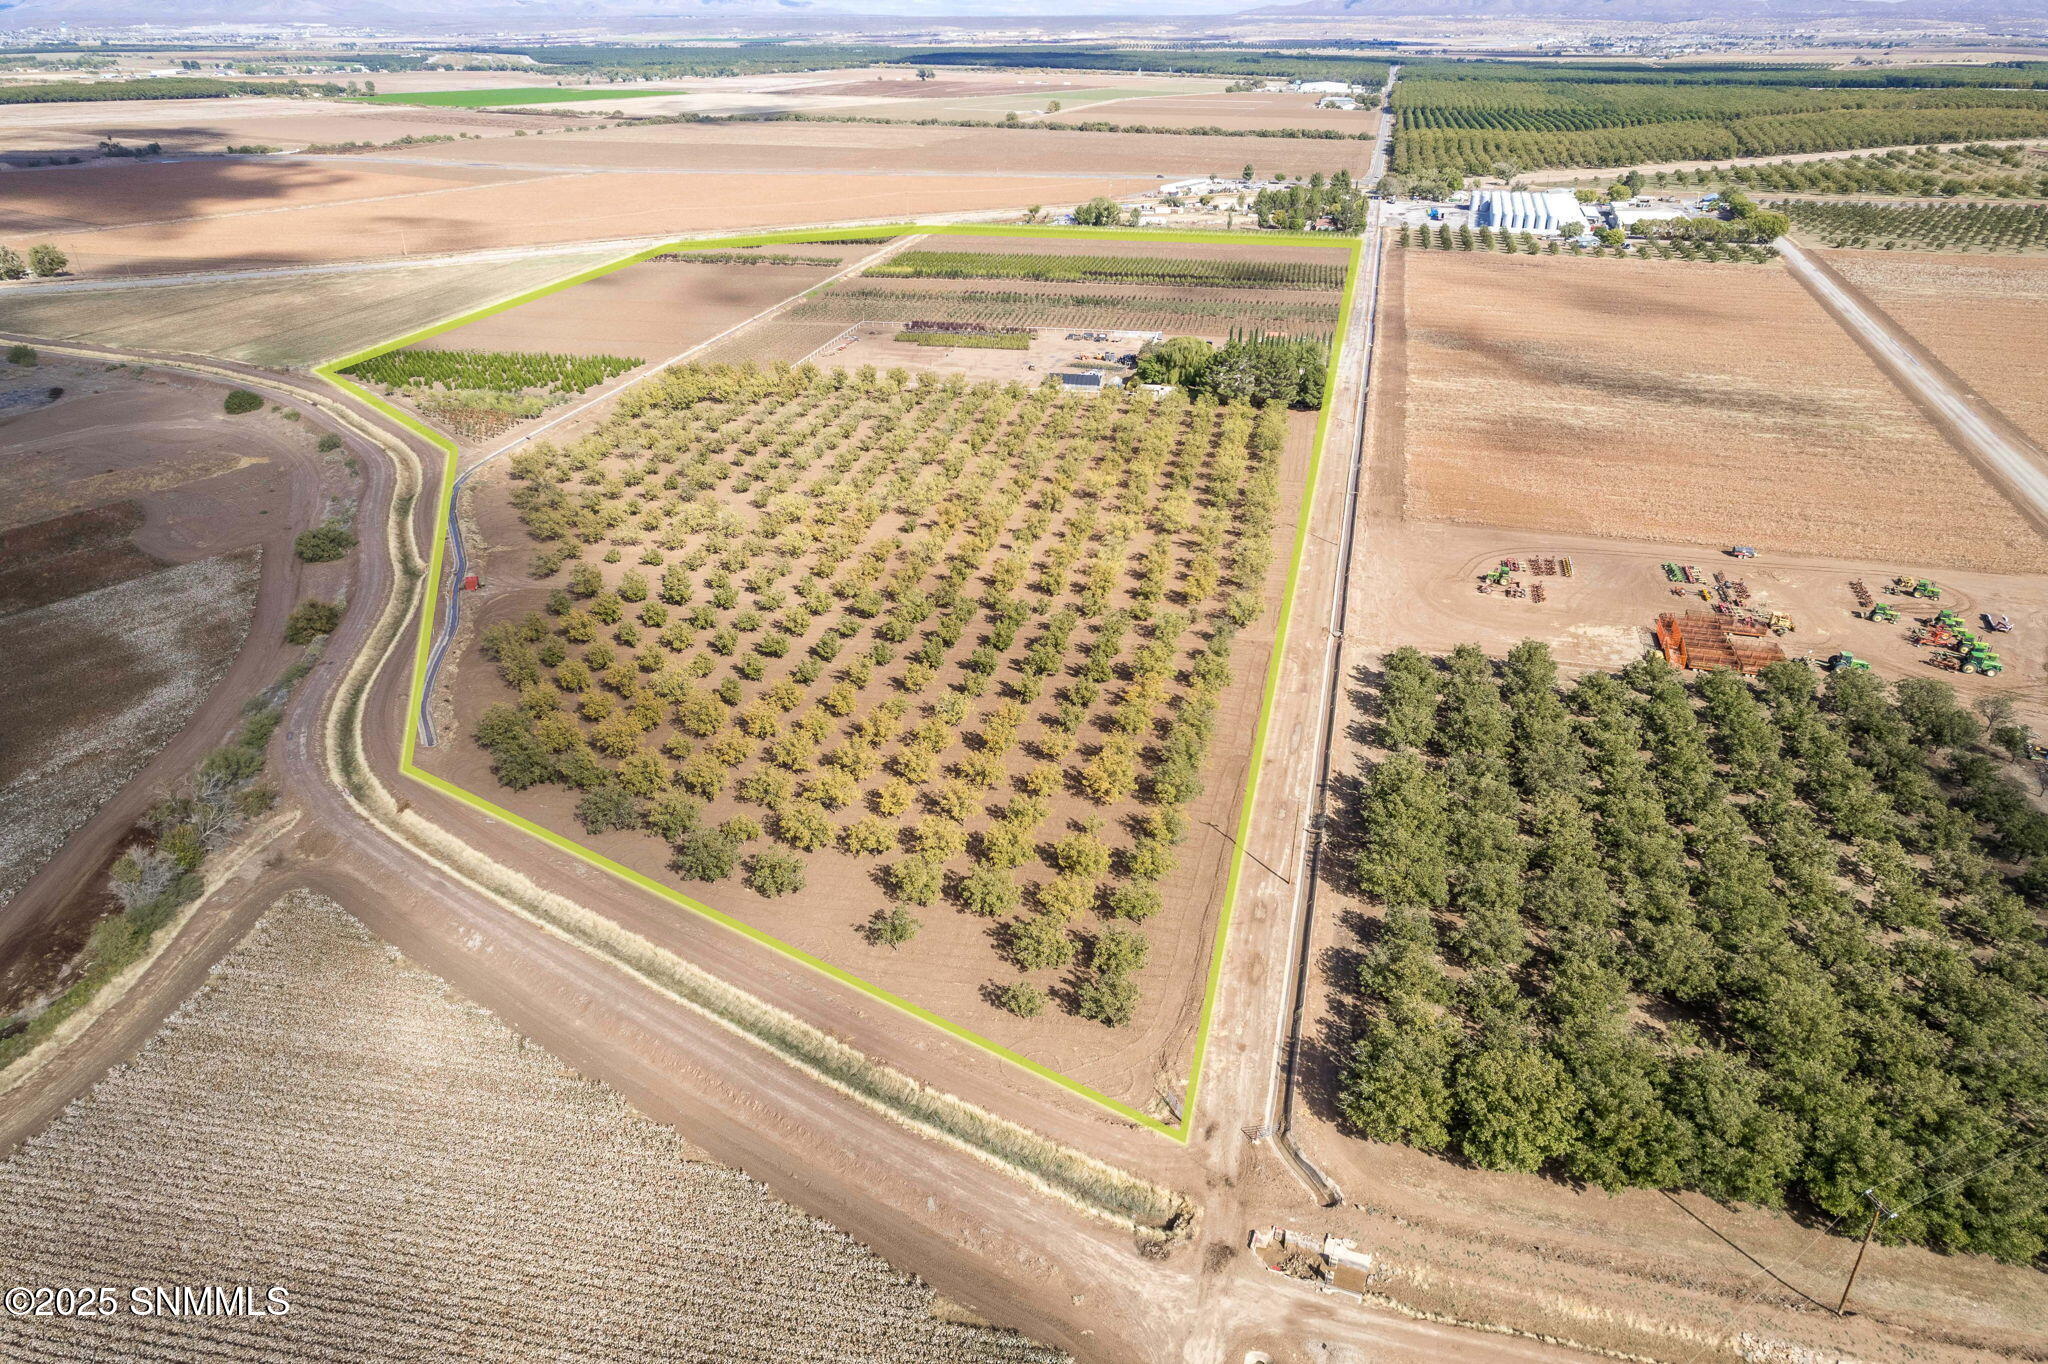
[[2020, 467]]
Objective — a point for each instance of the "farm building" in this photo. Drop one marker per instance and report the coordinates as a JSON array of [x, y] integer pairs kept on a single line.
[[1542, 212], [1324, 87], [1336, 102], [1624, 215]]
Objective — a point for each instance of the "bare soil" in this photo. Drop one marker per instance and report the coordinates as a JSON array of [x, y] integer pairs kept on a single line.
[[117, 194], [648, 311], [1249, 110], [284, 320], [129, 594], [551, 209], [32, 132], [913, 150], [1664, 401], [1985, 317]]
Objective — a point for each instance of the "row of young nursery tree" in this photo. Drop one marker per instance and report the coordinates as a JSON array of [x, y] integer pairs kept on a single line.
[[1768, 940]]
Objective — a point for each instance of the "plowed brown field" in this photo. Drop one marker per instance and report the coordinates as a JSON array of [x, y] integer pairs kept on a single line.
[[213, 125], [1985, 317], [1248, 110], [1673, 402], [117, 194], [547, 209], [912, 149]]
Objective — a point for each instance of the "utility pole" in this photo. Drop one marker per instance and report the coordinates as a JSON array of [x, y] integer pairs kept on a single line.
[[1876, 1209]]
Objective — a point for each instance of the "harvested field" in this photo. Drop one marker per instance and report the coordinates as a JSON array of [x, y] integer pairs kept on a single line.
[[505, 95], [287, 320], [326, 1117], [1673, 402], [118, 194], [29, 131], [1025, 101], [1986, 318], [651, 310], [821, 732], [117, 671], [547, 210], [912, 150], [1248, 111]]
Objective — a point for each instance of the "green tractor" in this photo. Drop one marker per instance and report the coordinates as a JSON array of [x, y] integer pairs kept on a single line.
[[1918, 587], [1947, 619], [1885, 612], [1846, 662], [1982, 661]]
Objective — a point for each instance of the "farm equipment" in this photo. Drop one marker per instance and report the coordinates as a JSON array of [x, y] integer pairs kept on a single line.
[[1741, 552], [1733, 591], [1860, 593], [1564, 566], [1979, 660], [1671, 574], [1495, 577], [1781, 624], [1883, 612], [1997, 624], [471, 583], [1536, 592], [1946, 619], [1846, 662], [1923, 588]]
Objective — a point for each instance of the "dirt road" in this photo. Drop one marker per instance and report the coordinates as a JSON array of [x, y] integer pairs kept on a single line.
[[52, 893], [2013, 463], [991, 1242]]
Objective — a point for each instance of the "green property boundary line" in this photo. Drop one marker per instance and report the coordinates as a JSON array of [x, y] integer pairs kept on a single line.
[[1353, 246]]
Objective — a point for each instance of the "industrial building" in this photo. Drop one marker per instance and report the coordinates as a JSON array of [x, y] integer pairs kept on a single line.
[[1543, 213]]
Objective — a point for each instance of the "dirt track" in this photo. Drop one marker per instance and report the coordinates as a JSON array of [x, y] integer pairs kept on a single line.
[[2012, 461], [54, 891], [1022, 1259], [984, 1240]]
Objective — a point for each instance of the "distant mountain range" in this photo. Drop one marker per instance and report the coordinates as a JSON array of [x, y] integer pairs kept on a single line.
[[1665, 11], [517, 17]]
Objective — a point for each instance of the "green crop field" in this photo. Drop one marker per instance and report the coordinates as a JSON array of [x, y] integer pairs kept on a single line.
[[1775, 941], [972, 340], [491, 371], [1471, 126], [1108, 269], [539, 94]]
